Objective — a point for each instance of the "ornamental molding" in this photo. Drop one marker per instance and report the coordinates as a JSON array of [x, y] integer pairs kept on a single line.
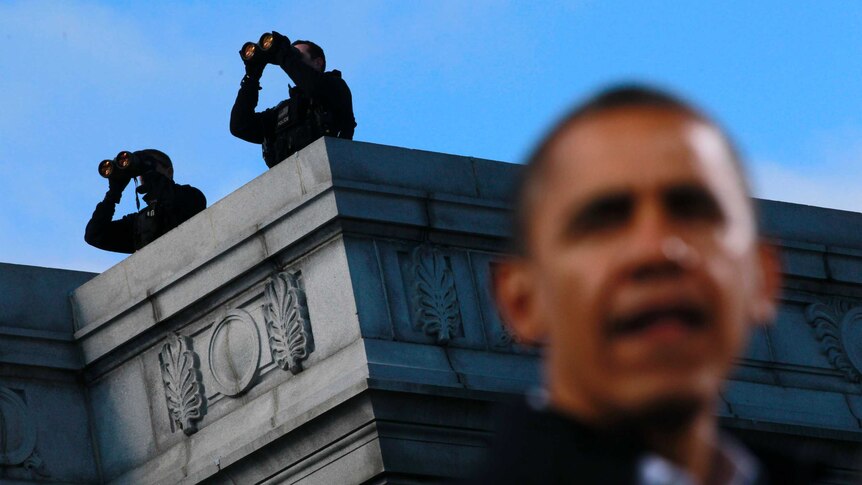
[[837, 324], [287, 321], [234, 353], [18, 436], [181, 376], [436, 311]]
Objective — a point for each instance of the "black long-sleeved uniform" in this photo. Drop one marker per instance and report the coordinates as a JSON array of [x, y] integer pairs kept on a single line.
[[320, 104], [166, 209]]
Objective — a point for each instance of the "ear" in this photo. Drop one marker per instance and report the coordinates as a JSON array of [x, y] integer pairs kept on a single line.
[[318, 64], [765, 306], [515, 293]]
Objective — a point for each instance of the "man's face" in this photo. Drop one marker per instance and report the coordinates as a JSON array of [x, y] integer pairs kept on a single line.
[[316, 63], [644, 269]]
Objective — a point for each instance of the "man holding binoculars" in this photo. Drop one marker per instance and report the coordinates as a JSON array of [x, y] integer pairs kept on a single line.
[[319, 105], [168, 204]]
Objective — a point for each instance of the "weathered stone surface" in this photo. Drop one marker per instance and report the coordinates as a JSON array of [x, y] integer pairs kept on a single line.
[[340, 328]]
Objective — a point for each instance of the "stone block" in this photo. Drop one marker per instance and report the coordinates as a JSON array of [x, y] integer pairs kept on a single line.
[[254, 205], [245, 424], [313, 213], [58, 413], [312, 165], [168, 467], [329, 294], [368, 289], [758, 345], [496, 372], [400, 167], [38, 298], [793, 339], [845, 265], [782, 406], [102, 297], [803, 262], [99, 341], [409, 362], [382, 207], [121, 420], [35, 349], [496, 180], [804, 223], [449, 214], [208, 277]]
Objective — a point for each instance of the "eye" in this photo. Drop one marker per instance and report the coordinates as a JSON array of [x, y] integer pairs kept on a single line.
[[692, 203], [601, 214]]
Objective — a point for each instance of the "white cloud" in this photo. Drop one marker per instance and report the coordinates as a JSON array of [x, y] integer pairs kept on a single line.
[[826, 173]]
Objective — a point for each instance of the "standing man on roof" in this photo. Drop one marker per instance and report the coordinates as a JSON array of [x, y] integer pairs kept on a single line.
[[320, 104]]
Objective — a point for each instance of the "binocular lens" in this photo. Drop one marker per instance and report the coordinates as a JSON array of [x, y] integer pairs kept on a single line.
[[124, 159], [248, 50], [266, 41], [106, 168]]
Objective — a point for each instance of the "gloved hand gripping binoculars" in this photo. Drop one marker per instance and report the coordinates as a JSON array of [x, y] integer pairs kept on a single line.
[[264, 50], [126, 164]]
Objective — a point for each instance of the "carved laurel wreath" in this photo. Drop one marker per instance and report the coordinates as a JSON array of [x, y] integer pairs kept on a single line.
[[183, 385], [838, 326], [287, 322], [435, 302]]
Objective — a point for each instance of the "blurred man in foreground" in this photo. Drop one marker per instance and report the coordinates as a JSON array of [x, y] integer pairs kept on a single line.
[[639, 267]]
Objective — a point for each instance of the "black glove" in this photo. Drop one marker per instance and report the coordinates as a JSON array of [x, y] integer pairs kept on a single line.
[[254, 68], [280, 49], [116, 184]]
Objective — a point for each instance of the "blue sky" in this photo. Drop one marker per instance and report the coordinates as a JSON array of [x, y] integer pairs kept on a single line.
[[81, 81]]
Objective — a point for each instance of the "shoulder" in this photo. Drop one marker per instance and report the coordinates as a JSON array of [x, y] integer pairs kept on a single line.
[[541, 446], [334, 77], [191, 193]]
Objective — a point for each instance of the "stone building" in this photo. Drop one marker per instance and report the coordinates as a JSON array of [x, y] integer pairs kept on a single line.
[[331, 322]]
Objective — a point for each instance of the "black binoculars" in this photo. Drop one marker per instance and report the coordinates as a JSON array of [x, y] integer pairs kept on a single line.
[[126, 163], [258, 52]]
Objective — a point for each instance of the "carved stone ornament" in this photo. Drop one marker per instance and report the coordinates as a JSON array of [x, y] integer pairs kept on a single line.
[[435, 303], [287, 322], [18, 436], [234, 353], [181, 376], [838, 326]]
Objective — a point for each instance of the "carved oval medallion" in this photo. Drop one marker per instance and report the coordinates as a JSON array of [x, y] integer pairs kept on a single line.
[[234, 353], [17, 430]]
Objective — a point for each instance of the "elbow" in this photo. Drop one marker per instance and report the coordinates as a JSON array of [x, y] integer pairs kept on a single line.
[[235, 128]]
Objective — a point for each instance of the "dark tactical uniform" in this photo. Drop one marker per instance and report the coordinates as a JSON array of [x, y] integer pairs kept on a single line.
[[319, 105], [168, 206]]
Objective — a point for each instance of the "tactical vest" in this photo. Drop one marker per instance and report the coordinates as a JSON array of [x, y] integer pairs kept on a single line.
[[147, 227], [299, 121]]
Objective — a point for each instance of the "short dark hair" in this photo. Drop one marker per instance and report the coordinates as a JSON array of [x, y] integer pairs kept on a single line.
[[620, 96], [313, 49]]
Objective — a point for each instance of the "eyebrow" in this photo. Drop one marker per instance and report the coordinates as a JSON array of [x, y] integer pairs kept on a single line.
[[600, 211], [685, 201]]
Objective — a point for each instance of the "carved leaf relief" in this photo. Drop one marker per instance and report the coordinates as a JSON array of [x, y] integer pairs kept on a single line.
[[287, 322], [435, 302], [183, 386], [836, 325]]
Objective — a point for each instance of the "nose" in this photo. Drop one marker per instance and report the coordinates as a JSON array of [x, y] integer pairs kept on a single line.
[[656, 248]]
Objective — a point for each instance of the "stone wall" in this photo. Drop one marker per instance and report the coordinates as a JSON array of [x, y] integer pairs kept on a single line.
[[331, 322]]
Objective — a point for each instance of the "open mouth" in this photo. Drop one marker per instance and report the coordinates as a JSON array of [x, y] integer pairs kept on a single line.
[[683, 316]]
